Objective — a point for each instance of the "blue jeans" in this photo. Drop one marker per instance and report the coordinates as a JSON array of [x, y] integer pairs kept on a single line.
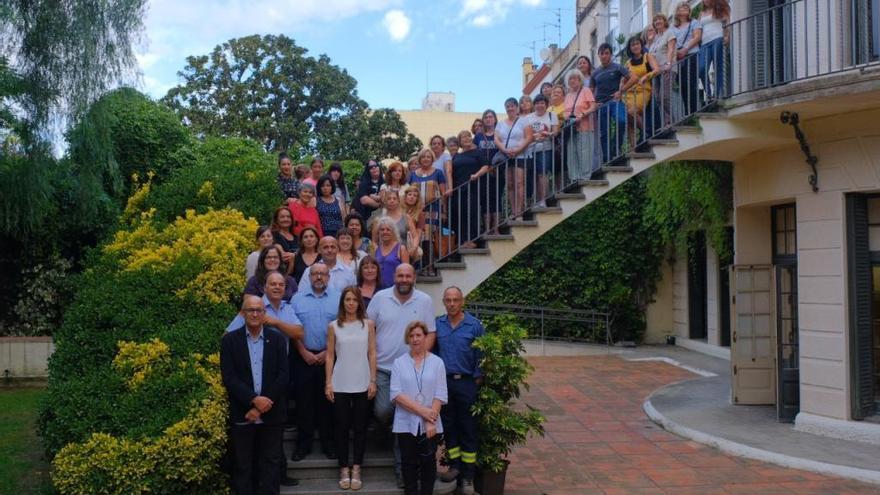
[[712, 54], [612, 119]]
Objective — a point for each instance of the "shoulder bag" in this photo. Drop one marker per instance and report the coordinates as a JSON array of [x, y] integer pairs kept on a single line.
[[500, 157]]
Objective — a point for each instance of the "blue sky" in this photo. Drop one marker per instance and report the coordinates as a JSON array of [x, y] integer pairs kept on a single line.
[[473, 48]]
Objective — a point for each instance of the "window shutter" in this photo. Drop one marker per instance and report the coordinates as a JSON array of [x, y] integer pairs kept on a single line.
[[861, 335]]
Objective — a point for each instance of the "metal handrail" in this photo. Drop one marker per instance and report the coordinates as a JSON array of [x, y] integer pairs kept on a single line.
[[485, 209], [541, 315]]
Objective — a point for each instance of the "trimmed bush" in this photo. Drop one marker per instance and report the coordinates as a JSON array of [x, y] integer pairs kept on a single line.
[[133, 406]]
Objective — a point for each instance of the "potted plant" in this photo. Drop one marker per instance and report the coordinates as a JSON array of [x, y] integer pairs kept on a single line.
[[501, 426]]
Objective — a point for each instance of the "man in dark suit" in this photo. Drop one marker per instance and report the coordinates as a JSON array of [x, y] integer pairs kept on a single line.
[[253, 363]]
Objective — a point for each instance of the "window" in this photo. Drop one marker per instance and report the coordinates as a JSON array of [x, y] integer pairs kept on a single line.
[[785, 232]]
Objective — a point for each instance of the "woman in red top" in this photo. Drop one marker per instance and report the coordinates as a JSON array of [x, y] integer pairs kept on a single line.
[[304, 211]]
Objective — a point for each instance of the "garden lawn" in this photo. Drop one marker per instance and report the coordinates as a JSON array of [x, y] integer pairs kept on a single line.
[[23, 470]]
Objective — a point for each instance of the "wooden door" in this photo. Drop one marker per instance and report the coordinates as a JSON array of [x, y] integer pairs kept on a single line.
[[753, 343]]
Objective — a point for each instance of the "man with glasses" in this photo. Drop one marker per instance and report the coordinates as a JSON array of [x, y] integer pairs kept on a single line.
[[315, 307], [253, 364]]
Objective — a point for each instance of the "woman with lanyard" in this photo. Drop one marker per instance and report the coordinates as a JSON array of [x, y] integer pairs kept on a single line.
[[418, 389], [512, 137]]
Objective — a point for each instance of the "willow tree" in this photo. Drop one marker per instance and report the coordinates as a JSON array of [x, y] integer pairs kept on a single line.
[[57, 58]]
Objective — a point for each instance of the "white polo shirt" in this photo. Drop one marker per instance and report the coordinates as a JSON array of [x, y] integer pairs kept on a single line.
[[392, 317], [341, 277]]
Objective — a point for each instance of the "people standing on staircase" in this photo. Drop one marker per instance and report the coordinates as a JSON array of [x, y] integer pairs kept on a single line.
[[341, 276], [418, 388], [315, 306], [456, 332], [611, 80], [490, 186], [351, 381], [688, 33], [392, 309], [661, 56], [578, 137], [512, 137], [253, 366]]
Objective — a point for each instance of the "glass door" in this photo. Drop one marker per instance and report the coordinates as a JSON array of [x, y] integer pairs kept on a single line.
[[788, 402]]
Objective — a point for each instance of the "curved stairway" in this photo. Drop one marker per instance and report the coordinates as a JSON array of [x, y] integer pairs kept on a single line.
[[713, 136]]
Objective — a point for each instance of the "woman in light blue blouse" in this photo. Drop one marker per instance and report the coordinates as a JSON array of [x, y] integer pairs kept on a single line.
[[418, 389]]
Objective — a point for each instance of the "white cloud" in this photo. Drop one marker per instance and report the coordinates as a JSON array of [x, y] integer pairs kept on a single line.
[[397, 24], [484, 13]]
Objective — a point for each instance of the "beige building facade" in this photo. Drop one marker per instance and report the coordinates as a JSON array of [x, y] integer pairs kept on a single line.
[[797, 309]]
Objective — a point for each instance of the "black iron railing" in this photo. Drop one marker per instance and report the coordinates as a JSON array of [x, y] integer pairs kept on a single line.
[[552, 324], [797, 40]]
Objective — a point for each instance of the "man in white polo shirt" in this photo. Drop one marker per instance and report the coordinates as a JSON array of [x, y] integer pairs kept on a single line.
[[393, 309], [340, 275]]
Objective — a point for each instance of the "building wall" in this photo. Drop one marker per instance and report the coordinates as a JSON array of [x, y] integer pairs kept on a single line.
[[425, 124], [680, 316], [659, 314], [848, 147]]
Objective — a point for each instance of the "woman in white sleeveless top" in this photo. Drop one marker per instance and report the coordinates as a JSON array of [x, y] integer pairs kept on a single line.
[[351, 380], [715, 18]]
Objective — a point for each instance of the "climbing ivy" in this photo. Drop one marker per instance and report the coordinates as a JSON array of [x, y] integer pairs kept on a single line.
[[686, 197], [608, 255]]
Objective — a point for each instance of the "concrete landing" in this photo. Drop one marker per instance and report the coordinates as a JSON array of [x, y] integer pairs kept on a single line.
[[701, 409]]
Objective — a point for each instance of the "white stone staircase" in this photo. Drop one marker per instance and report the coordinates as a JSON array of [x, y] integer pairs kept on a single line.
[[714, 137]]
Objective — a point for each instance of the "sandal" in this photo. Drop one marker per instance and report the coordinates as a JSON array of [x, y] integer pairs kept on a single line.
[[344, 479], [356, 478]]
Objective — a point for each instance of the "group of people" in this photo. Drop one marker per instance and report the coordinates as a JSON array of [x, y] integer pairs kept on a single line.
[[347, 347], [466, 186]]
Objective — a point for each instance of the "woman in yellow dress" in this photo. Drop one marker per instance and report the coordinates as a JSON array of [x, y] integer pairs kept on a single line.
[[637, 98]]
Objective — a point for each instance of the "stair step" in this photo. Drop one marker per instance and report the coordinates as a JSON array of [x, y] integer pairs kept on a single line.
[[641, 155], [429, 279], [711, 115], [522, 223], [562, 196], [663, 142], [450, 265], [474, 251], [498, 237], [593, 182], [617, 169], [374, 484], [546, 209], [687, 129]]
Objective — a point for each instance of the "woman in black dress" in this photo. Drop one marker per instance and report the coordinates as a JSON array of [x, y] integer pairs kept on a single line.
[[282, 233], [307, 254], [468, 165]]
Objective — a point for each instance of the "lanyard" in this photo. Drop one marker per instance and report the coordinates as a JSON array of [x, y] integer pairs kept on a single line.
[[419, 379]]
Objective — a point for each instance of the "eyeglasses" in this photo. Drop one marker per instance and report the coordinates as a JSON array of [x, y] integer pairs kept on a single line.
[[255, 311]]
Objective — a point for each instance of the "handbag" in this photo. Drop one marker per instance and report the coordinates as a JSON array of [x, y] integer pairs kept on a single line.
[[500, 157], [444, 242], [679, 46]]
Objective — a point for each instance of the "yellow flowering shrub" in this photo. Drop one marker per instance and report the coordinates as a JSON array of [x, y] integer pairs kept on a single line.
[[216, 241], [206, 192], [183, 459], [135, 203], [137, 361]]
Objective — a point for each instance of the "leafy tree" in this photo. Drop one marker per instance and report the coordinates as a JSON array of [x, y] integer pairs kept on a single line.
[[268, 89], [130, 134], [374, 134]]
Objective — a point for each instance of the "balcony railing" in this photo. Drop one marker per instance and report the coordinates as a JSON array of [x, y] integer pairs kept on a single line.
[[800, 40], [795, 41]]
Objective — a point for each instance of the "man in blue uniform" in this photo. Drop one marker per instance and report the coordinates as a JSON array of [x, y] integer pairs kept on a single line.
[[456, 332]]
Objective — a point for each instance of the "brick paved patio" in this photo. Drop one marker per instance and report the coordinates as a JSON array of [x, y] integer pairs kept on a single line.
[[599, 441]]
